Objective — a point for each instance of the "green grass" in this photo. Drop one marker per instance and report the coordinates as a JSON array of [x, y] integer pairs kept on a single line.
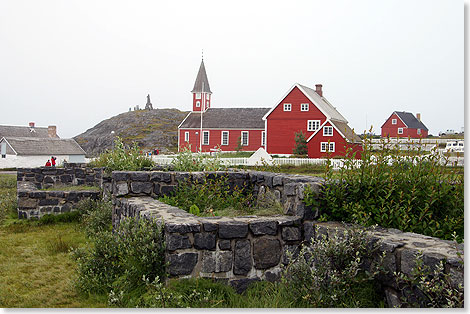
[[62, 187], [236, 155], [36, 269]]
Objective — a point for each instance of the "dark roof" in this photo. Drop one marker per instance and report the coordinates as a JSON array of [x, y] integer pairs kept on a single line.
[[347, 131], [23, 131], [44, 146], [226, 118], [201, 81], [410, 120]]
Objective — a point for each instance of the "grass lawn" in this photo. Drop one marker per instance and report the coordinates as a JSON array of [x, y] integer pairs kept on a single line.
[[35, 268]]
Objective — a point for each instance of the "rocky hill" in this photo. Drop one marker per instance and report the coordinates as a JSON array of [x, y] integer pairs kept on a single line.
[[150, 129]]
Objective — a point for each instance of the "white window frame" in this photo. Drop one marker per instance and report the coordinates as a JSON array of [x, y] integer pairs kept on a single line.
[[186, 136], [222, 138], [287, 107], [315, 125], [394, 121], [304, 107], [198, 95], [400, 131], [324, 146], [263, 138], [418, 131], [247, 138], [198, 104], [204, 138], [325, 133]]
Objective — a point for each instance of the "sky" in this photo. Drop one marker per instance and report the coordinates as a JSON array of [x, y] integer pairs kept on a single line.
[[75, 63]]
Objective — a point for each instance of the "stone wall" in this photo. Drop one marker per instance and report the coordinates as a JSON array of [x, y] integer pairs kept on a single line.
[[33, 203], [244, 249], [71, 174]]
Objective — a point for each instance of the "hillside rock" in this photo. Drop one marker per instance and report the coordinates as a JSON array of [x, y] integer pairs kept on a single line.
[[150, 129]]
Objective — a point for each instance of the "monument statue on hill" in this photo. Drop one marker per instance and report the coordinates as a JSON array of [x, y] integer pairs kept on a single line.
[[148, 105]]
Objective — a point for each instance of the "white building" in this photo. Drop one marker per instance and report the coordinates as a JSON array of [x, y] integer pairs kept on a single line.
[[24, 152]]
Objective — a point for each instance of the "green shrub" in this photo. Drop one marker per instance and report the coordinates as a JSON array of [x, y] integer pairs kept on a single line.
[[8, 200], [300, 149], [328, 272], [96, 216], [427, 287], [408, 191], [122, 158], [118, 260], [185, 160], [211, 196]]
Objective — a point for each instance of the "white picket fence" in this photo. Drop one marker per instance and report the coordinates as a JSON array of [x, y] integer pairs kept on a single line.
[[335, 163]]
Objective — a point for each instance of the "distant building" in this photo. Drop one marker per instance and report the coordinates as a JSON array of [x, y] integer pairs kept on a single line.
[[404, 124], [16, 152], [302, 109], [28, 131]]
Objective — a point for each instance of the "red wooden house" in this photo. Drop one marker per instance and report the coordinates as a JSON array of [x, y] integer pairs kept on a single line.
[[221, 128], [404, 124], [302, 109]]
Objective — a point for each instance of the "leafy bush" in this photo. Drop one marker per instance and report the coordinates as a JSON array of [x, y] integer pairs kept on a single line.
[[408, 191], [96, 216], [8, 200], [211, 196], [118, 260], [122, 158], [188, 161], [427, 287], [329, 272], [300, 148]]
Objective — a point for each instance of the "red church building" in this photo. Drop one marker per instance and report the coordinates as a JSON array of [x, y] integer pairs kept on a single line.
[[302, 109], [404, 124]]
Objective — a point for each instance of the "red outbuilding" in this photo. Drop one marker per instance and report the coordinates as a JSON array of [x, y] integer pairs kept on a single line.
[[404, 124], [302, 109]]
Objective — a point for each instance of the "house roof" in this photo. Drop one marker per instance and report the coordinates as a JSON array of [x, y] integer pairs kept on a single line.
[[347, 132], [226, 118], [410, 120], [43, 146], [23, 131], [202, 84], [320, 102]]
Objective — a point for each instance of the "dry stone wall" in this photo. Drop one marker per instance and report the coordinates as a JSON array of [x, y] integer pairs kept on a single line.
[[245, 249]]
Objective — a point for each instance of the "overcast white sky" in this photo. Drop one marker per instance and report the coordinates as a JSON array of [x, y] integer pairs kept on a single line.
[[76, 63]]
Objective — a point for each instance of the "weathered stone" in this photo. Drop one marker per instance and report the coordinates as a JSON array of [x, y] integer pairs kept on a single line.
[[59, 194], [48, 201], [225, 245], [309, 231], [408, 260], [141, 187], [266, 252], [39, 177], [277, 195], [263, 227], [289, 252], [182, 227], [37, 194], [139, 176], [176, 241], [120, 176], [66, 178], [392, 297], [182, 264], [48, 179], [121, 189], [432, 259], [216, 262], [291, 234], [241, 285], [232, 230], [160, 177], [242, 257], [210, 226], [167, 189], [273, 275], [204, 241], [66, 208], [27, 203], [289, 189]]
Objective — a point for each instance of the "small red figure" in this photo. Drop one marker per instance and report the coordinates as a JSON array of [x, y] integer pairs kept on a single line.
[[48, 163]]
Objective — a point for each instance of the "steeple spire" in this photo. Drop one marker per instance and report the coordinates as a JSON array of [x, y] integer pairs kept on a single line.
[[202, 84]]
